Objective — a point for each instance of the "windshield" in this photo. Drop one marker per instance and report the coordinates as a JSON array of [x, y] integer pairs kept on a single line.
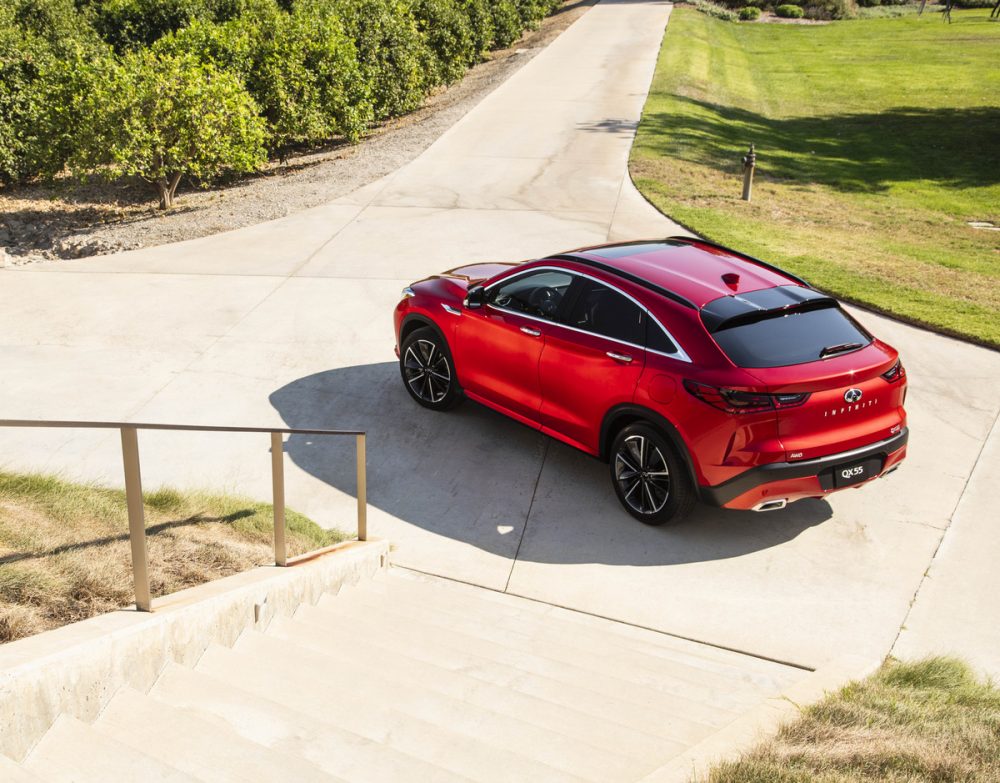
[[795, 337]]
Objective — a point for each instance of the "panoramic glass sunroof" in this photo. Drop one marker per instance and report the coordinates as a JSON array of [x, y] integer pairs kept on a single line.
[[630, 250]]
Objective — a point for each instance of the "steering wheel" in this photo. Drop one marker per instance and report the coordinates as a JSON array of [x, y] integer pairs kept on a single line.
[[545, 300]]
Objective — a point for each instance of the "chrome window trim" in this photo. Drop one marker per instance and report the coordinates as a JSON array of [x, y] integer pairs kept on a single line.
[[680, 355]]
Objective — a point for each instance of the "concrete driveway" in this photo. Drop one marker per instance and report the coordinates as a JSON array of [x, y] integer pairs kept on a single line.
[[290, 323]]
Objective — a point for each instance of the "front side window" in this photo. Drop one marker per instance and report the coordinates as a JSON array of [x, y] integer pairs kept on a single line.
[[606, 312], [537, 294]]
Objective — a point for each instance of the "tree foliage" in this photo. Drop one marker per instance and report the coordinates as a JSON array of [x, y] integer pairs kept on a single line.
[[159, 117], [163, 89]]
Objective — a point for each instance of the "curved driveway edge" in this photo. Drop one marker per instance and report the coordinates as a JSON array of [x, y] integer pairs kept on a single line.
[[290, 321]]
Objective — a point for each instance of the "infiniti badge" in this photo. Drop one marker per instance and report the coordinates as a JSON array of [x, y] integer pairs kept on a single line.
[[852, 395]]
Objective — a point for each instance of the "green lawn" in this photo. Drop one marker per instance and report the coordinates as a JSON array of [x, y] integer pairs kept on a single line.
[[924, 722], [878, 140]]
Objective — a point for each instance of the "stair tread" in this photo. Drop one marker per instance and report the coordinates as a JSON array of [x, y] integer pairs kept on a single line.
[[194, 745], [274, 725], [640, 640], [633, 751], [522, 735], [324, 699], [481, 661], [12, 772], [71, 750], [565, 643], [541, 657]]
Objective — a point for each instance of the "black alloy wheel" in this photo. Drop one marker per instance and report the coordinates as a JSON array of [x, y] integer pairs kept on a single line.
[[428, 371], [648, 477]]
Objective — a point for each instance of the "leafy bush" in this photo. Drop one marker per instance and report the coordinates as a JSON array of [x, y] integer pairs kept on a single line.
[[507, 26], [789, 11], [34, 34], [834, 9], [716, 11], [481, 25], [445, 26], [301, 69], [309, 70], [532, 12], [133, 24], [391, 51], [749, 13], [163, 117]]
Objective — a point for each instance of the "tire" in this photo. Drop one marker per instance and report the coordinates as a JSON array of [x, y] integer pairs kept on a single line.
[[643, 461], [428, 370]]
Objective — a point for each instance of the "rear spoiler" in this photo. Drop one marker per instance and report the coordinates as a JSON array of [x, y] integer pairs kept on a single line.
[[729, 311]]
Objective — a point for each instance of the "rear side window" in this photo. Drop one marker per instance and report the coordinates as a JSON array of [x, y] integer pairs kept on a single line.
[[793, 338], [656, 338], [603, 311]]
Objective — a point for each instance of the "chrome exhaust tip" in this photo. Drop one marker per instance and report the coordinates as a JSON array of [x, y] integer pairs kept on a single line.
[[771, 505]]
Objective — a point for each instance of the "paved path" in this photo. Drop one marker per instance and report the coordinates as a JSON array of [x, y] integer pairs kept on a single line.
[[290, 322]]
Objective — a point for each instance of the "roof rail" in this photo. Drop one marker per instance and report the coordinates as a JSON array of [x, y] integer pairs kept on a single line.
[[691, 240], [681, 300]]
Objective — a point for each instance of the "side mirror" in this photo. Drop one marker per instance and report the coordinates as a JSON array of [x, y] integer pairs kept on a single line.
[[475, 297]]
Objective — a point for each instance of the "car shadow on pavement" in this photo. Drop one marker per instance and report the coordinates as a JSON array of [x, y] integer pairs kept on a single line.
[[475, 476]]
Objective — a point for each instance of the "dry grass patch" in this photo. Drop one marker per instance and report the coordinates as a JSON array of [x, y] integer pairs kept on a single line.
[[64, 551], [926, 722]]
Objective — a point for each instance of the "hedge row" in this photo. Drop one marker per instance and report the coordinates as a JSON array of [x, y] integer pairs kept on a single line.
[[813, 9], [283, 72]]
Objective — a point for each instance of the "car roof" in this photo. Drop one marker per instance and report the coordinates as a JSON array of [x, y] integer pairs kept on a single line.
[[685, 269]]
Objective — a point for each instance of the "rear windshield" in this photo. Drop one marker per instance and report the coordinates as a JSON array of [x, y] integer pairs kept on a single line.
[[792, 338]]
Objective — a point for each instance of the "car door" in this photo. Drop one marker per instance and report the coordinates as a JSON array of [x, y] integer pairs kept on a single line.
[[591, 361], [500, 343]]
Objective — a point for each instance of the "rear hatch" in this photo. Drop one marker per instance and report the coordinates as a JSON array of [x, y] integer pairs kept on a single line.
[[835, 387]]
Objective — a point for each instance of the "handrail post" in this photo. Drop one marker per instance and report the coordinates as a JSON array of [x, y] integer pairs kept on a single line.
[[362, 490], [278, 493], [136, 519]]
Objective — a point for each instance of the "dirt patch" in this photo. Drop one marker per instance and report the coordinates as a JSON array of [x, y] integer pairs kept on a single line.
[[66, 219]]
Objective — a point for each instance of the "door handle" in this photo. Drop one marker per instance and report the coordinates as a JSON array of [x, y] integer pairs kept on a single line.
[[532, 332], [620, 357]]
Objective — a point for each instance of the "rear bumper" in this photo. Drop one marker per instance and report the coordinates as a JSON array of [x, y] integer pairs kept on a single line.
[[805, 479]]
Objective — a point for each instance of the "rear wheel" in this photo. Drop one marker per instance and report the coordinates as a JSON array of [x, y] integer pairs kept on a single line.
[[428, 371], [648, 476]]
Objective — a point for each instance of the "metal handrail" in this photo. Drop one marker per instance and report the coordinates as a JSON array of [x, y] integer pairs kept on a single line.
[[133, 483]]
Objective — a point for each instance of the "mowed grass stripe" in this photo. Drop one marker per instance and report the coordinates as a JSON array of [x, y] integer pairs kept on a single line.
[[878, 141]]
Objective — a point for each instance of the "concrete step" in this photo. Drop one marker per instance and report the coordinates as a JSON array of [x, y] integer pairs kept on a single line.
[[73, 752], [12, 772], [536, 656], [324, 697], [606, 632], [474, 658], [564, 642], [335, 750], [206, 750], [632, 752], [522, 735]]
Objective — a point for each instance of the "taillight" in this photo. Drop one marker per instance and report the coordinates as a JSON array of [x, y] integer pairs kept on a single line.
[[735, 401], [895, 373]]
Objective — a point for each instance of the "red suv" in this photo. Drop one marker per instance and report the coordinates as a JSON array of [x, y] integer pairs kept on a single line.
[[697, 372]]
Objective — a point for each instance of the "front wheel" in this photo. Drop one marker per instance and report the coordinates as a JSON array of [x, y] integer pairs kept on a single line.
[[428, 371], [648, 476]]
